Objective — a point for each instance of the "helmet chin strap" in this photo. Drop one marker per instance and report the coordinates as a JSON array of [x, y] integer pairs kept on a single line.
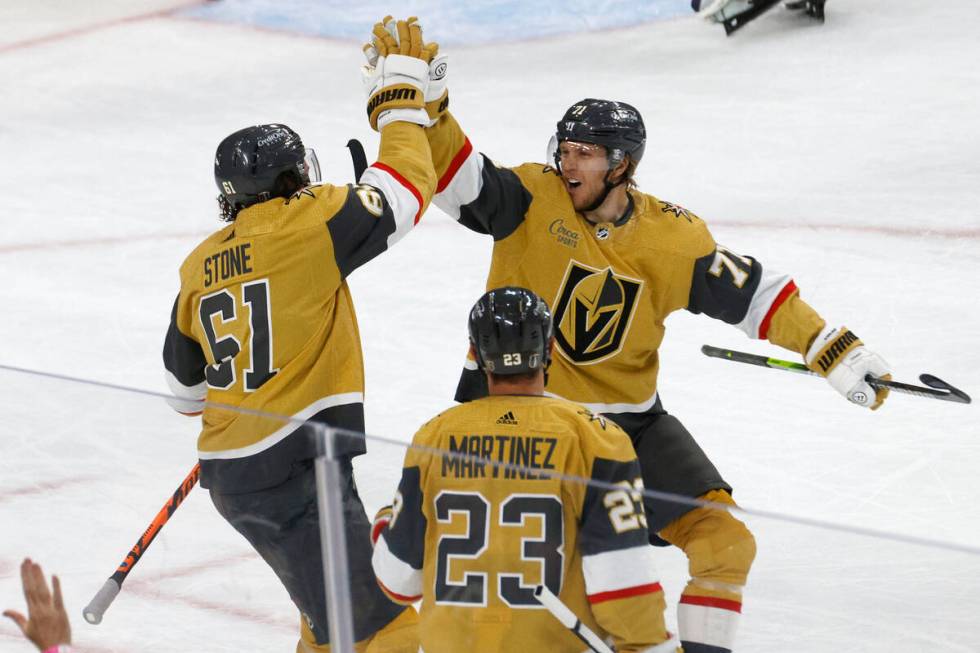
[[605, 192]]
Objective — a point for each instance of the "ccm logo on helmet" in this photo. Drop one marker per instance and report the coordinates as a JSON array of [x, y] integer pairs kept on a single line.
[[274, 137]]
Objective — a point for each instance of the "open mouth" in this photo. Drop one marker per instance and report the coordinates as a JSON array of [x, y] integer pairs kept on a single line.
[[573, 183]]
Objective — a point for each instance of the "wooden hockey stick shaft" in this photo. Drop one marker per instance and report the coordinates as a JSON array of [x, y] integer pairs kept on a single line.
[[104, 597], [937, 388], [568, 619]]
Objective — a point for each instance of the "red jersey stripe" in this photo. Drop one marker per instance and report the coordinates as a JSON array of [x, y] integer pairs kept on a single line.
[[377, 529], [712, 602], [404, 182], [454, 166], [783, 295], [397, 596], [625, 593]]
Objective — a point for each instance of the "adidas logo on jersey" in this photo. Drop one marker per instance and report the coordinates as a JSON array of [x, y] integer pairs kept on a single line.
[[507, 418]]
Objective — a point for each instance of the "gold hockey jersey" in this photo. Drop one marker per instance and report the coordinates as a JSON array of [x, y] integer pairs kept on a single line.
[[471, 539], [610, 286], [265, 322]]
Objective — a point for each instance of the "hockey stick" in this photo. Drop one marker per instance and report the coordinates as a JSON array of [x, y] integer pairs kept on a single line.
[[739, 21], [568, 619], [358, 158], [938, 389], [104, 597]]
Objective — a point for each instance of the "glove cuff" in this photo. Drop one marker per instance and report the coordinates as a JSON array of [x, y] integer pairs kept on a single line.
[[830, 347], [437, 107], [415, 116]]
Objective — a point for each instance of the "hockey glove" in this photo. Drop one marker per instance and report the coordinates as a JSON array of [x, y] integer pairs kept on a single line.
[[839, 355], [437, 95], [380, 523], [397, 75]]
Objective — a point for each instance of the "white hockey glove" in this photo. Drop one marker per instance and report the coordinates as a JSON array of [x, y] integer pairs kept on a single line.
[[396, 78], [437, 95], [839, 355]]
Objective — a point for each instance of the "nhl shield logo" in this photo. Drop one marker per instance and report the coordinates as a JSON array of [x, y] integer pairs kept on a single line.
[[593, 312]]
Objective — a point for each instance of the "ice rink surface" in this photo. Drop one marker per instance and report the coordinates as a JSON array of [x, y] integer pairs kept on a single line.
[[846, 154]]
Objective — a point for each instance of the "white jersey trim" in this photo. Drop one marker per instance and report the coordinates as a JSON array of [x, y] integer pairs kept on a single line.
[[403, 202], [770, 286], [395, 574], [187, 398], [707, 625], [641, 407], [622, 569], [463, 188], [279, 435]]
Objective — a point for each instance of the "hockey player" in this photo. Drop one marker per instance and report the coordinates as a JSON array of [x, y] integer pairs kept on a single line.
[[472, 539], [615, 263], [265, 321]]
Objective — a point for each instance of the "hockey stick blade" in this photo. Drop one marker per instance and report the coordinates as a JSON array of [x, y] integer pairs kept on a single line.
[[739, 21], [937, 388]]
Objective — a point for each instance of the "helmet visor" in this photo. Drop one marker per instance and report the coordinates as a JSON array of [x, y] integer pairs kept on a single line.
[[311, 166], [574, 155]]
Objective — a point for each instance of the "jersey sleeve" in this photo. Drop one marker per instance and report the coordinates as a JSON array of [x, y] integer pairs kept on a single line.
[[621, 578], [388, 200], [761, 302], [471, 189], [184, 363], [399, 552]]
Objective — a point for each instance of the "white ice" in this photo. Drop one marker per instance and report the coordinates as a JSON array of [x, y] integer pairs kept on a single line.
[[846, 154]]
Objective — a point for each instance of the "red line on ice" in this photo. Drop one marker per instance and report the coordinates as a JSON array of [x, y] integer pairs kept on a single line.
[[43, 487], [221, 607], [265, 29], [95, 27], [885, 230], [908, 232], [148, 587], [191, 570], [90, 242]]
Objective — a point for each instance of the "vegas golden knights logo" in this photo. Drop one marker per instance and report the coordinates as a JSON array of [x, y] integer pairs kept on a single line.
[[593, 312]]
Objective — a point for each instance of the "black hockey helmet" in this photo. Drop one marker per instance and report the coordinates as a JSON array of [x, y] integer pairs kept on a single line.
[[261, 162], [510, 329], [617, 126]]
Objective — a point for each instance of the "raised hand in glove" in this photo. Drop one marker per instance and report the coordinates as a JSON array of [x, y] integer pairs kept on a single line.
[[397, 75], [839, 355], [405, 38]]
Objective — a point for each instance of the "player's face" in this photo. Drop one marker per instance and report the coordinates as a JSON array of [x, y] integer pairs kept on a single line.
[[583, 170]]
